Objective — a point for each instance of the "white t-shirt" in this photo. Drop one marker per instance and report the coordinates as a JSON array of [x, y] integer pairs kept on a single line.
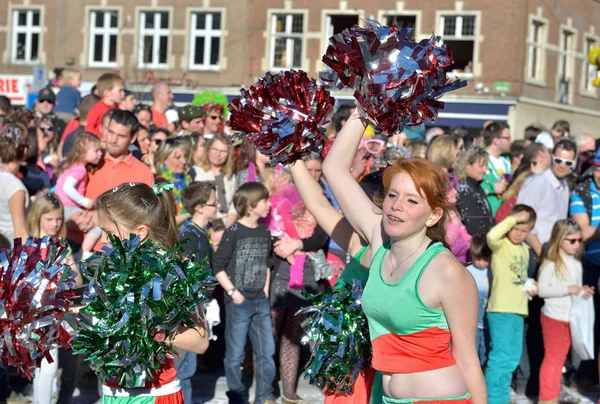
[[9, 185], [501, 165]]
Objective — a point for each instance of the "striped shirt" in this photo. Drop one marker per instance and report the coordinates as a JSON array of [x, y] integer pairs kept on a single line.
[[592, 248]]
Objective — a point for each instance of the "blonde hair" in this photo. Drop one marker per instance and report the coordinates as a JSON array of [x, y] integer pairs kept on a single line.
[[42, 205], [442, 151], [107, 81], [562, 228], [134, 204], [170, 146], [69, 74], [516, 184], [274, 177], [227, 168], [469, 157]]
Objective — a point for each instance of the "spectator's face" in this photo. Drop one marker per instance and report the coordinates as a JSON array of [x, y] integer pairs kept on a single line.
[[518, 233], [477, 169], [196, 125], [543, 159], [217, 154], [143, 139], [165, 95], [571, 243], [128, 103], [144, 118], [44, 107], [116, 93], [562, 163], [176, 161], [118, 138], [315, 169], [157, 139], [589, 146], [557, 132], [51, 222], [481, 263], [213, 122], [45, 135], [597, 176], [504, 141]]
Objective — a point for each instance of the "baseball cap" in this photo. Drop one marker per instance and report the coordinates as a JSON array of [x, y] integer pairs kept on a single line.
[[190, 112], [46, 95]]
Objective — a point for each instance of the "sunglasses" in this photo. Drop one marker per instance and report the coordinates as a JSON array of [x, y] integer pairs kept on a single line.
[[47, 128], [47, 101], [373, 146], [215, 117], [559, 161], [574, 240]]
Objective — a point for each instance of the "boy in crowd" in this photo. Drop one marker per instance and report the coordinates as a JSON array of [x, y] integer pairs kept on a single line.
[[111, 88], [201, 199], [129, 101], [481, 256], [68, 96], [242, 267], [507, 307]]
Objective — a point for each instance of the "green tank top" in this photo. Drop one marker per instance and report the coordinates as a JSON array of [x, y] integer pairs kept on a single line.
[[354, 270], [397, 308]]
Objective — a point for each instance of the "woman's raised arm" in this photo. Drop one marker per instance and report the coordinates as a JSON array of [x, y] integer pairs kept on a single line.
[[356, 205]]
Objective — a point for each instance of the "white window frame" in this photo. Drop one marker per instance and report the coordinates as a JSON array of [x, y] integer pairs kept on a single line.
[[29, 29], [290, 39], [538, 46], [587, 88], [566, 54], [208, 33], [106, 31], [458, 36], [155, 33]]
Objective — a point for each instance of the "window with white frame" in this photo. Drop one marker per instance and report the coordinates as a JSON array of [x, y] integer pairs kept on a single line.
[[286, 41], [403, 21], [26, 36], [205, 37], [565, 65], [536, 35], [154, 39], [104, 31], [588, 68], [459, 34]]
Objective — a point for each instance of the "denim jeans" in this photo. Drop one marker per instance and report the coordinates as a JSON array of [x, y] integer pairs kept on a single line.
[[506, 334], [252, 317], [185, 371], [483, 345]]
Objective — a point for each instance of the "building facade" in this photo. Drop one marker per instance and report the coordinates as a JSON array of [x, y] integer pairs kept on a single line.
[[525, 60]]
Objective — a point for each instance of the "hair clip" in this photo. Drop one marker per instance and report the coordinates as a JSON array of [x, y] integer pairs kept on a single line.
[[148, 204], [158, 189]]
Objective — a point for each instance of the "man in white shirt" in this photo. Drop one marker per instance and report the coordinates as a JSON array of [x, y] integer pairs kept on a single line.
[[548, 194], [496, 138]]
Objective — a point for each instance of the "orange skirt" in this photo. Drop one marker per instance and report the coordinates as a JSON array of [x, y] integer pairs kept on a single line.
[[361, 390]]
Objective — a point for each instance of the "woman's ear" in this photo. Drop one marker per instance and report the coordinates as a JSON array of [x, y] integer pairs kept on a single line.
[[142, 232], [434, 217]]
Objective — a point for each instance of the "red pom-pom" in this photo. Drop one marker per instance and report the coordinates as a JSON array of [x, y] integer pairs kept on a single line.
[[282, 115], [35, 290], [396, 81]]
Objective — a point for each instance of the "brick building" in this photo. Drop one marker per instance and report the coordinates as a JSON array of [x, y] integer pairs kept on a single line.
[[525, 60]]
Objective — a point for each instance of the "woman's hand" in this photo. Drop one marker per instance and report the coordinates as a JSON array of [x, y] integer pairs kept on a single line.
[[588, 291], [285, 248]]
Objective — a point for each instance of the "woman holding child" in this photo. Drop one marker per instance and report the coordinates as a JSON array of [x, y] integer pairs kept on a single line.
[[412, 269]]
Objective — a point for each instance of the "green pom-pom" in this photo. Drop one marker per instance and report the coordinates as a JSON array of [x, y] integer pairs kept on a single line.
[[337, 332], [135, 292], [211, 96]]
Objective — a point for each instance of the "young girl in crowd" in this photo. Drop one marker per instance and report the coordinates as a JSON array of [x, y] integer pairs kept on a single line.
[[560, 277], [46, 218], [411, 268], [135, 208], [71, 184], [457, 236]]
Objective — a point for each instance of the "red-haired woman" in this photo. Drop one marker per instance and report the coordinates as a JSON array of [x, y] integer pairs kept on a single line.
[[418, 297]]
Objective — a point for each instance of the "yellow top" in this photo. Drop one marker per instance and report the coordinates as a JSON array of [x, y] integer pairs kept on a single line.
[[509, 271]]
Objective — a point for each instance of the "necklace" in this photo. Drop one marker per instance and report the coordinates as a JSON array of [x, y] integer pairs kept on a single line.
[[413, 253]]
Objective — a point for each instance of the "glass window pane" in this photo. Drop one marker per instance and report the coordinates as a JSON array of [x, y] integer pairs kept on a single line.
[[99, 19], [113, 19], [98, 48], [199, 55], [36, 18], [449, 25], [534, 56], [20, 47], [297, 23], [280, 23], [112, 51], [148, 49], [216, 22], [279, 52], [297, 52], [201, 21], [149, 20], [214, 51], [468, 25], [162, 51], [164, 20], [35, 43], [22, 18]]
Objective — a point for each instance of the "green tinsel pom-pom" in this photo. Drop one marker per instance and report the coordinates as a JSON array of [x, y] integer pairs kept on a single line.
[[337, 332], [135, 292]]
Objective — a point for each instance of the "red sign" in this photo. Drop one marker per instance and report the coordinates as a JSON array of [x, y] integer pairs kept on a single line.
[[15, 87]]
